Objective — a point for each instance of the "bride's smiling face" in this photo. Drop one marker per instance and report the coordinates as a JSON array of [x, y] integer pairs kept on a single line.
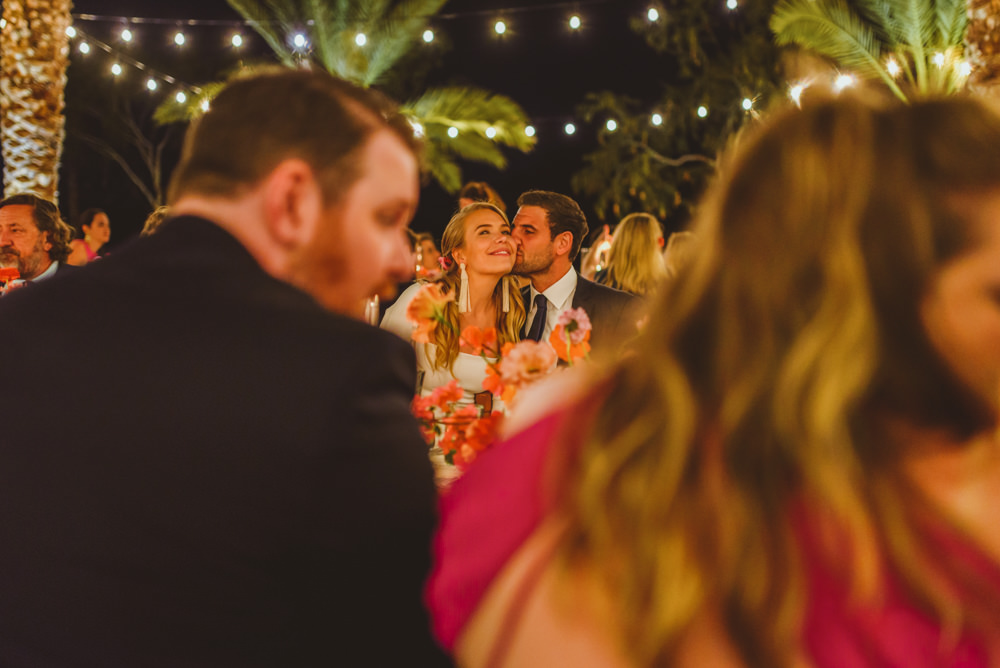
[[487, 247]]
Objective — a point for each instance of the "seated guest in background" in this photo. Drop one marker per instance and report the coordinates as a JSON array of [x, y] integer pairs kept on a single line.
[[96, 229], [479, 256], [801, 464], [33, 237], [595, 258], [154, 220], [549, 229], [480, 191], [427, 256], [635, 263], [677, 254], [241, 483]]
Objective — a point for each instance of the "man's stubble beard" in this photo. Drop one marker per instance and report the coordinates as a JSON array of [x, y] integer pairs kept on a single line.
[[530, 266]]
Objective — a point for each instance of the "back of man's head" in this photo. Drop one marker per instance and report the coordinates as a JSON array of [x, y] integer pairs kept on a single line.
[[256, 123], [47, 219], [564, 215]]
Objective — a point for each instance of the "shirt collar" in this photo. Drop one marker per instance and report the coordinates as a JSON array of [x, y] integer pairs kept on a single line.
[[48, 273], [560, 292]]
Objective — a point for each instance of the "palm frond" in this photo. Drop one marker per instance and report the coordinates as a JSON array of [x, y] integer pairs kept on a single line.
[[442, 168], [397, 33], [951, 20], [472, 110], [262, 22]]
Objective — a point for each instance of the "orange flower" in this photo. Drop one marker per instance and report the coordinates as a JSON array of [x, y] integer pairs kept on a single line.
[[565, 348], [446, 394], [426, 311], [9, 274], [482, 341]]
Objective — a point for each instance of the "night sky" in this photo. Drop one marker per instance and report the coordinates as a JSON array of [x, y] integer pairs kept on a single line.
[[540, 63]]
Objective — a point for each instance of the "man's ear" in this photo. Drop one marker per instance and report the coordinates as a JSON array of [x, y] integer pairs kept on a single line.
[[563, 243], [46, 242], [293, 203]]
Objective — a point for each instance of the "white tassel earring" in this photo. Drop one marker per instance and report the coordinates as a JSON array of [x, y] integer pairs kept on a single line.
[[464, 298], [506, 295]]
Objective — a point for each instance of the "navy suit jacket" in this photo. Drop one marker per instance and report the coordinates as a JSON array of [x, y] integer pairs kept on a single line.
[[233, 478]]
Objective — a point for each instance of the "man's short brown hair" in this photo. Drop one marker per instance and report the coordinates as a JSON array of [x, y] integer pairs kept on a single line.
[[564, 215], [257, 122], [47, 218]]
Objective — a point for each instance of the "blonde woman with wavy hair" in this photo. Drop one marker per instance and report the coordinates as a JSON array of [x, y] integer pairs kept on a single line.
[[635, 263], [800, 465], [477, 256]]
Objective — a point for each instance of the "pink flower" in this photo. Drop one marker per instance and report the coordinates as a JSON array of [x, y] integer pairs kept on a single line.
[[576, 322], [526, 362]]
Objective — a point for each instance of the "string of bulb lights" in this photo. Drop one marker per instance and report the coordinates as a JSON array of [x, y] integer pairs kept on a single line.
[[84, 44]]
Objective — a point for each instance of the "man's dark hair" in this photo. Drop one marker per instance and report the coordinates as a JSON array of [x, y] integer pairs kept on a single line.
[[564, 215], [257, 122], [47, 218]]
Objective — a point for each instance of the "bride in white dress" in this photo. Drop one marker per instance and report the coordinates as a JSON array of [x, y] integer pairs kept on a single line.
[[476, 243]]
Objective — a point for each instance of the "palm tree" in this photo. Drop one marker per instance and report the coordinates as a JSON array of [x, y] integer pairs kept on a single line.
[[915, 47], [34, 55], [459, 122]]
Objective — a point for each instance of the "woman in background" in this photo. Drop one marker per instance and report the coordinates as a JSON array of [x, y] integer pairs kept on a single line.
[[480, 191], [635, 263], [800, 465], [96, 230]]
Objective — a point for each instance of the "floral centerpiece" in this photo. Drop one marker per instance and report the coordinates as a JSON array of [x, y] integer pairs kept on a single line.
[[8, 276], [463, 431]]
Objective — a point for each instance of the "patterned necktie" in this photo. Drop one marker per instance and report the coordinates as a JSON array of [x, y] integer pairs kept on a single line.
[[538, 324]]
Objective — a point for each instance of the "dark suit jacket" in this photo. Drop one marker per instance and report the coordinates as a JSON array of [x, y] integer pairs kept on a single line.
[[613, 314], [199, 466]]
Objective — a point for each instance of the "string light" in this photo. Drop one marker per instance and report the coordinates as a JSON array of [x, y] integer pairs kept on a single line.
[[747, 104], [842, 81], [418, 129], [892, 67], [3, 23], [702, 111], [575, 22], [500, 27], [570, 129], [299, 41], [361, 39], [491, 132], [70, 32], [529, 131], [453, 132], [938, 59], [611, 125], [151, 83], [116, 70], [181, 97], [84, 48], [732, 4], [126, 35], [237, 40], [205, 105], [656, 120], [964, 69], [795, 92], [428, 36], [653, 15], [179, 38]]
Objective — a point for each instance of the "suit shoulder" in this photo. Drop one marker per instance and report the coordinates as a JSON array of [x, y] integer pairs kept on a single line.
[[591, 290]]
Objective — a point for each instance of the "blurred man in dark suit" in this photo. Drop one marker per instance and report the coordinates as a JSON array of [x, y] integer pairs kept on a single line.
[[233, 478]]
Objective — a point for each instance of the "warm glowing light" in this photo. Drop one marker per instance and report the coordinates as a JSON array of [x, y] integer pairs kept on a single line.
[[611, 125], [84, 48], [491, 132], [299, 41], [842, 81], [428, 36], [732, 4], [116, 70], [151, 84], [70, 32], [529, 131], [237, 40], [361, 39], [892, 67], [3, 23], [418, 129], [747, 104], [127, 35], [500, 27], [205, 105], [181, 97], [575, 22], [938, 59], [656, 120], [453, 132], [702, 111], [570, 128], [795, 93], [653, 15], [964, 68], [179, 38]]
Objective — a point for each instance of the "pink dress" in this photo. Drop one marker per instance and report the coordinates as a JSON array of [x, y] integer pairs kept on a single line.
[[503, 498]]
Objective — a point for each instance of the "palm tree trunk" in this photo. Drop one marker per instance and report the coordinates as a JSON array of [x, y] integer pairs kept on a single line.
[[983, 46], [34, 55]]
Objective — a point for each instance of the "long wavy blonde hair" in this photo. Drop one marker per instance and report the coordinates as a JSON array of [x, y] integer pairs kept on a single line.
[[765, 386], [508, 324], [634, 261]]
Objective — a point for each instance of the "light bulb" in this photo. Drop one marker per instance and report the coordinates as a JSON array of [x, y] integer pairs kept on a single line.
[[205, 105], [529, 131], [500, 27], [653, 15], [656, 119], [842, 81], [299, 41], [181, 97], [570, 128], [611, 125], [452, 132], [151, 84], [116, 70], [361, 39], [747, 103], [70, 32], [575, 22], [84, 48], [179, 38], [237, 40], [428, 36], [491, 132], [702, 111], [127, 35], [732, 4]]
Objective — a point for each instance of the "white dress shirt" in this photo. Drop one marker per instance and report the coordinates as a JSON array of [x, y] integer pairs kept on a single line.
[[559, 296], [48, 273]]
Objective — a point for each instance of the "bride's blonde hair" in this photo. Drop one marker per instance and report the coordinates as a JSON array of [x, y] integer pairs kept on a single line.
[[763, 376]]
